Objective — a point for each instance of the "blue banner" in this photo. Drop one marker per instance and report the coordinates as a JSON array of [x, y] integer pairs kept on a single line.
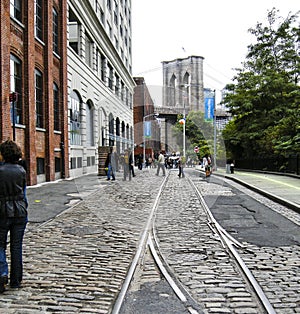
[[147, 129], [209, 107]]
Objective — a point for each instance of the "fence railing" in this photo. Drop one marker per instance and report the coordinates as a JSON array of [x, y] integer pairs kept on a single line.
[[289, 164]]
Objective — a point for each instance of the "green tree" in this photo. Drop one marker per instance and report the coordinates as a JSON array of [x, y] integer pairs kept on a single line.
[[198, 133], [264, 101]]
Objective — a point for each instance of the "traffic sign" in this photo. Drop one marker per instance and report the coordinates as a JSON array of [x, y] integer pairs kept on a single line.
[[196, 149]]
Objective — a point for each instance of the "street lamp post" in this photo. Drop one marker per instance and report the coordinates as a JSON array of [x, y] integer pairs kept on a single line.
[[215, 132], [184, 120], [183, 133], [144, 136]]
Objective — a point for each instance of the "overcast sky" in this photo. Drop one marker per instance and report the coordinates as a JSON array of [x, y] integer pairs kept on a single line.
[[164, 30]]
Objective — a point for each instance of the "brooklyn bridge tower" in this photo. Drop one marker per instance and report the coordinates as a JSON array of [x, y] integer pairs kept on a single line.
[[183, 91]]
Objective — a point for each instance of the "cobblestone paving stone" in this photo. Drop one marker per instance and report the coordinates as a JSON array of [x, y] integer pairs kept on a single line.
[[77, 262], [276, 269], [196, 255]]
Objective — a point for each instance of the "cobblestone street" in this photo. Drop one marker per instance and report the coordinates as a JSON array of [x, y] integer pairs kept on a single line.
[[76, 262]]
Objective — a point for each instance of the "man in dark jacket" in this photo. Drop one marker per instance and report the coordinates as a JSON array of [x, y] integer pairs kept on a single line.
[[13, 213]]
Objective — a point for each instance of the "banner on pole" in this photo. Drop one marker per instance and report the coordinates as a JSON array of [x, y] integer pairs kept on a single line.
[[147, 129], [209, 107]]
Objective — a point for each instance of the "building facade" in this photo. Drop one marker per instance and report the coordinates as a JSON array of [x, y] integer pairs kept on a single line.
[[146, 124], [33, 82], [183, 84], [100, 85], [183, 91]]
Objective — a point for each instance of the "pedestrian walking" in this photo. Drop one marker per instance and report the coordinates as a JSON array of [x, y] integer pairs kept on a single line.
[[181, 163], [131, 163], [207, 165], [161, 164], [126, 166], [110, 165], [13, 213], [140, 162], [232, 167]]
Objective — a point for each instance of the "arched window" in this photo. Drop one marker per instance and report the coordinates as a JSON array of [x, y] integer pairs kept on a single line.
[[172, 91], [123, 136], [127, 135], [90, 123], [75, 119], [118, 133], [111, 130], [186, 89]]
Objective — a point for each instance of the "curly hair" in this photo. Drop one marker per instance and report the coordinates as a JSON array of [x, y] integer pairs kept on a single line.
[[10, 151]]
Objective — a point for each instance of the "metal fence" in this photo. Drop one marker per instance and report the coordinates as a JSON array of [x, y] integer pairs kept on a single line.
[[289, 164]]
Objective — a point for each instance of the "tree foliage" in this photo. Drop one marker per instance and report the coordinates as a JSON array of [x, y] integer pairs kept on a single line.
[[198, 132], [265, 97]]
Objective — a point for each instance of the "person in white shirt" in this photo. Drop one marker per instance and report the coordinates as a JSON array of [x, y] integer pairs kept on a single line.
[[161, 164]]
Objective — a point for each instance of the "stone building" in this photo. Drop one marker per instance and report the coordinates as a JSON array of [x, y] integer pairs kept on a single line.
[[100, 85], [183, 91], [33, 85]]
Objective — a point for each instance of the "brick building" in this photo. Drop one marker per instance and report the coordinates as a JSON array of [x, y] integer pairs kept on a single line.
[[33, 53], [143, 109]]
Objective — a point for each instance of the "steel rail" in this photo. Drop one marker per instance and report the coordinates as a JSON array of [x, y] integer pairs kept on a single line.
[[230, 242], [141, 248]]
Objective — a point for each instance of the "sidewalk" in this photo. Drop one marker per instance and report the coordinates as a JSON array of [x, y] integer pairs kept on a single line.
[[283, 189], [49, 199]]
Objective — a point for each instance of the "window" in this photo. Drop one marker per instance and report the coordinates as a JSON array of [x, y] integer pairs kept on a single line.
[[109, 5], [55, 30], [38, 19], [73, 163], [90, 124], [121, 26], [57, 164], [56, 119], [74, 27], [40, 165], [110, 76], [79, 162], [39, 110], [102, 17], [111, 130], [16, 9], [98, 60], [75, 123], [103, 67], [88, 50], [122, 91], [126, 96], [117, 85], [97, 5], [115, 18], [16, 86]]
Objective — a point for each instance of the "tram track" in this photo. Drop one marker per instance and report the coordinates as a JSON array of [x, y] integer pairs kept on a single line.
[[161, 251]]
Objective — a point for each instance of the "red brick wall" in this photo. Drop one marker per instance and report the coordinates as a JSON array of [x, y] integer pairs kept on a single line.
[[34, 54]]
